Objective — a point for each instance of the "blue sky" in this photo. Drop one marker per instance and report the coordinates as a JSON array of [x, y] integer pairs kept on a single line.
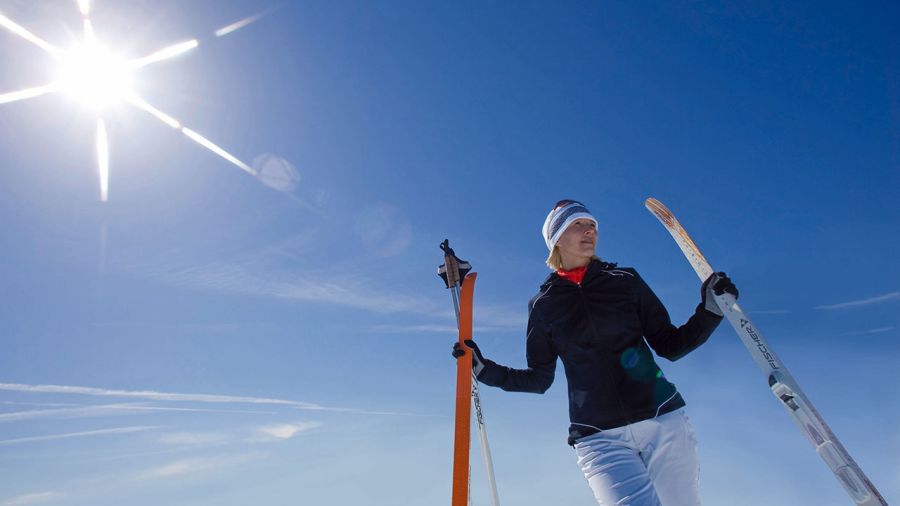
[[207, 336]]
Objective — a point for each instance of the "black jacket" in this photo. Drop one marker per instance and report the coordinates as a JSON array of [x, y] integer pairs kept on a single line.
[[601, 330]]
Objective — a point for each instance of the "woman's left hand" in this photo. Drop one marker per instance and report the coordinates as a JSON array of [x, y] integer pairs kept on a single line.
[[717, 283]]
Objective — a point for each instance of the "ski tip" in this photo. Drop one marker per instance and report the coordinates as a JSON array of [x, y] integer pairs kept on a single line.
[[468, 282], [660, 211]]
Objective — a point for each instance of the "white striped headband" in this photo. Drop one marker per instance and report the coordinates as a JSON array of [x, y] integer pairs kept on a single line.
[[563, 214]]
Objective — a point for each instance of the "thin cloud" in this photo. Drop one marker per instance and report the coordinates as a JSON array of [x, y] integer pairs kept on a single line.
[[879, 330], [195, 438], [108, 410], [864, 302], [263, 434], [41, 404], [35, 498], [154, 395], [443, 329], [262, 274], [487, 319], [179, 397], [70, 435], [241, 279], [222, 328], [283, 431], [195, 466], [436, 329]]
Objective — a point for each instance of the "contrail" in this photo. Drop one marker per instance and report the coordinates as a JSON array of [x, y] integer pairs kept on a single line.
[[101, 432], [181, 397], [109, 410], [152, 395], [865, 302]]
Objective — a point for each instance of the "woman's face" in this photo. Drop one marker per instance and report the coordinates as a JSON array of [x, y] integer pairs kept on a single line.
[[578, 243]]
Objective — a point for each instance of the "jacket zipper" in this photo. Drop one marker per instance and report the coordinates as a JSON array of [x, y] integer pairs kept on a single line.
[[597, 336]]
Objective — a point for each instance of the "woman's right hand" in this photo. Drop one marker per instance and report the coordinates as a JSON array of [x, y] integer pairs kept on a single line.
[[477, 358]]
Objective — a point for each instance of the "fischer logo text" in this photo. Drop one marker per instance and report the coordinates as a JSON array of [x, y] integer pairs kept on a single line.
[[745, 324]]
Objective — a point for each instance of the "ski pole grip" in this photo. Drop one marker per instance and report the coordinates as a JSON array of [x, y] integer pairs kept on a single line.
[[450, 264]]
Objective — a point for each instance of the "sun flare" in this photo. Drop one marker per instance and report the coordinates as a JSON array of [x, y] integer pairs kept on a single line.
[[94, 76], [98, 79]]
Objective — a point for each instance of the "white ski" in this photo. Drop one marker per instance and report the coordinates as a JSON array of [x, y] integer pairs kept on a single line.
[[782, 384]]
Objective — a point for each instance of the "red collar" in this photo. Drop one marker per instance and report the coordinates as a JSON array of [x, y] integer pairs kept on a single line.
[[575, 275]]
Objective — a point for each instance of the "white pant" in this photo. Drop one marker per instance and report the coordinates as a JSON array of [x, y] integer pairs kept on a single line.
[[648, 463]]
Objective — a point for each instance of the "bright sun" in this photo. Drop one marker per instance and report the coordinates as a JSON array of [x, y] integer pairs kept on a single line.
[[97, 78], [94, 76]]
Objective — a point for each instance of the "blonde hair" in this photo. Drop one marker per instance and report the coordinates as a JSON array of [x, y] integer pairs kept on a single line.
[[554, 261]]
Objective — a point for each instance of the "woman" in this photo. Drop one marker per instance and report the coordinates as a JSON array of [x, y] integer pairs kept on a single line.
[[631, 436]]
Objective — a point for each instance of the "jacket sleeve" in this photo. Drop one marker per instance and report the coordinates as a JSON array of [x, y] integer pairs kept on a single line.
[[667, 340], [540, 357]]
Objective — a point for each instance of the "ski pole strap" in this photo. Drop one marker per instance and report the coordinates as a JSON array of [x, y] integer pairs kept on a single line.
[[453, 269]]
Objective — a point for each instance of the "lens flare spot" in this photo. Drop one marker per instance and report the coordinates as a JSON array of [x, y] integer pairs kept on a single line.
[[629, 358], [276, 172]]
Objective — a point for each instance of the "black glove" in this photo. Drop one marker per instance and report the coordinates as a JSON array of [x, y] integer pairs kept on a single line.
[[717, 283], [477, 358]]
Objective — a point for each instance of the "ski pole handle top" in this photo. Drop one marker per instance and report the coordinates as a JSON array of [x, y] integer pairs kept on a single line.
[[453, 269], [451, 265]]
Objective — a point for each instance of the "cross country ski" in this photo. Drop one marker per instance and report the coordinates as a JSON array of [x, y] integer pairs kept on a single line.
[[780, 381], [461, 282]]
